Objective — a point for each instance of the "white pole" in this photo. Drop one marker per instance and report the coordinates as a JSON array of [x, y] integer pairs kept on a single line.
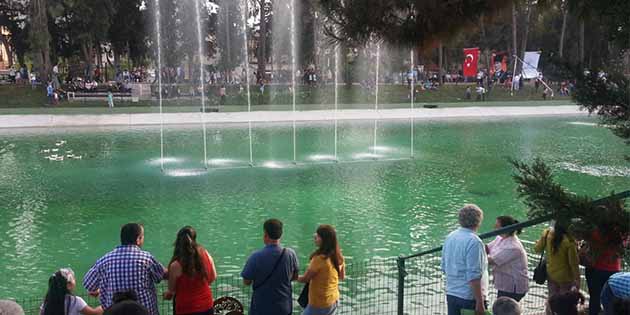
[[378, 58], [412, 99], [513, 75], [249, 98], [201, 83], [336, 95], [159, 73], [293, 67]]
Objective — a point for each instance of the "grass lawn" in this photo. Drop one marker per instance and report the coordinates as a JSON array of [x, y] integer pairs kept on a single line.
[[24, 100]]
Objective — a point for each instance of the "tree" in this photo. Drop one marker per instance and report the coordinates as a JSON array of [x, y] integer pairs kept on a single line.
[[565, 14], [13, 16], [229, 34], [39, 37], [544, 197], [263, 13], [79, 27], [405, 23], [606, 93], [127, 32]]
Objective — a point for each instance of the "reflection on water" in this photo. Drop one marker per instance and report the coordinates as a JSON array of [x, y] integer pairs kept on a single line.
[[69, 214]]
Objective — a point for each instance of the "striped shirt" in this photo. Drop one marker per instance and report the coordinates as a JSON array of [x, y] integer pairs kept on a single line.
[[126, 268], [509, 264], [619, 284]]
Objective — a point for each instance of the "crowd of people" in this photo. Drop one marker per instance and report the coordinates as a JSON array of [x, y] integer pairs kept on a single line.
[[466, 260], [124, 280]]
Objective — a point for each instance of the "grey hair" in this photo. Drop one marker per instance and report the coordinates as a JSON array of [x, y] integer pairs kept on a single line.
[[506, 306], [10, 308], [470, 216]]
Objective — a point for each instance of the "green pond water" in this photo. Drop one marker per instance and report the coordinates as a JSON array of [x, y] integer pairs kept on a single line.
[[68, 213]]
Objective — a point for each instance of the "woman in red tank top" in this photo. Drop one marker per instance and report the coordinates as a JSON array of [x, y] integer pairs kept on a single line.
[[190, 273]]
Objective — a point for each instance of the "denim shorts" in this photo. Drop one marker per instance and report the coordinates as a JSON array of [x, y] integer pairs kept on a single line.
[[309, 310]]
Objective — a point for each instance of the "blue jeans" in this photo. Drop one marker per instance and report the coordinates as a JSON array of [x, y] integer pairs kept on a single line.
[[596, 279], [309, 310], [456, 305], [607, 299]]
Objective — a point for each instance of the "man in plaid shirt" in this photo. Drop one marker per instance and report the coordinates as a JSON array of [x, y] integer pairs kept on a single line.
[[126, 268]]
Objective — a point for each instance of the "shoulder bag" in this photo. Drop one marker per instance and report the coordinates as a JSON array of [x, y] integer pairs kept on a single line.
[[303, 298], [257, 285], [540, 272]]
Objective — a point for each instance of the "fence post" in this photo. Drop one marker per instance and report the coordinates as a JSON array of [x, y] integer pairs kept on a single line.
[[401, 284]]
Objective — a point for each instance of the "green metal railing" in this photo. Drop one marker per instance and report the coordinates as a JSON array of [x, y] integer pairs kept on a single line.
[[411, 284]]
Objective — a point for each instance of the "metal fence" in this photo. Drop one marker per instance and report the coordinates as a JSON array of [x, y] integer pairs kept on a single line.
[[408, 285], [369, 288]]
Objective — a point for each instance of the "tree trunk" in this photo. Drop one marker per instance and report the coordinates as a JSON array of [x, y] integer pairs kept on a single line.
[[528, 7], [262, 43], [581, 41], [565, 13], [441, 62], [228, 45], [514, 32], [7, 48], [88, 58], [40, 38]]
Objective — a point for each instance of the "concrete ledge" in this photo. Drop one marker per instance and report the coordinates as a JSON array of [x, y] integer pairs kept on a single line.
[[22, 121]]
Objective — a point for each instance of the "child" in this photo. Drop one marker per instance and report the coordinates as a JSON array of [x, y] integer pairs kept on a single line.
[[566, 303], [60, 300], [50, 93], [222, 95], [110, 99]]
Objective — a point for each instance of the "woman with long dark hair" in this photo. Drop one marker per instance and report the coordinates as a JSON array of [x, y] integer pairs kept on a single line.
[[190, 273], [61, 301], [563, 271], [324, 271]]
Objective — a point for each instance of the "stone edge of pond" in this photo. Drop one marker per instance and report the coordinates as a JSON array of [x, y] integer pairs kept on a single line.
[[132, 119]]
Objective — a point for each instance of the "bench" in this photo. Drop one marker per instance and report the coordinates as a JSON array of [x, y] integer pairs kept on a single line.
[[97, 95]]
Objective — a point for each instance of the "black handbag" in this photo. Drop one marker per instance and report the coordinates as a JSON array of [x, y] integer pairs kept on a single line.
[[303, 298], [540, 272]]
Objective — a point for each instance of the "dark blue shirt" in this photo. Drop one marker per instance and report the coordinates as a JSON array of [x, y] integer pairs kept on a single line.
[[273, 296]]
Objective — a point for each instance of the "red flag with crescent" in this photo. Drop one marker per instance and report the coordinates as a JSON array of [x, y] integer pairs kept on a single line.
[[471, 58]]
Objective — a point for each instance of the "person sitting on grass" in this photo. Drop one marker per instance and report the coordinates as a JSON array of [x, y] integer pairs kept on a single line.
[[61, 301]]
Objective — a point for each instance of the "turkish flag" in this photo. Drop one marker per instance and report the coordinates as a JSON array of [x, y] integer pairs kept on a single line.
[[471, 58]]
